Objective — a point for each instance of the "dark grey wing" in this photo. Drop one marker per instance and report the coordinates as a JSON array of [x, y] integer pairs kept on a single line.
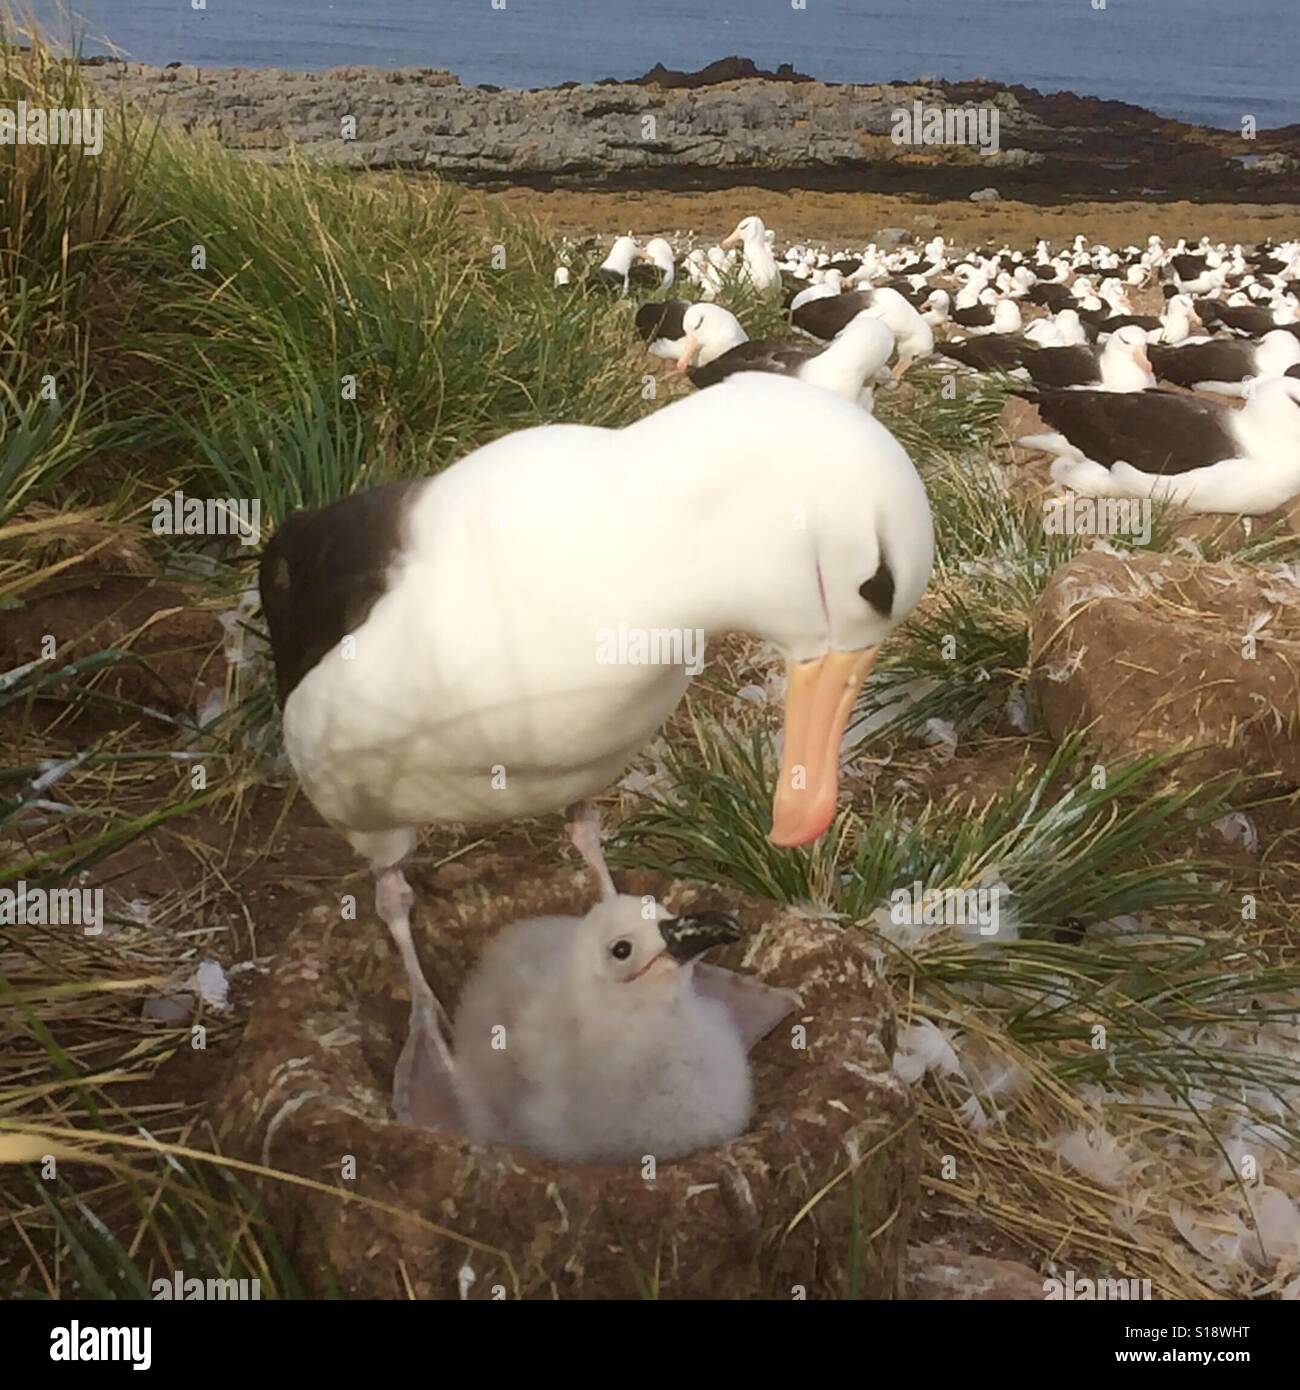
[[1154, 431], [601, 278], [1190, 267], [1247, 319], [914, 297], [323, 571], [1055, 297], [977, 316], [645, 276], [1063, 366], [1228, 360], [987, 354], [824, 318], [661, 319], [760, 355], [1118, 321]]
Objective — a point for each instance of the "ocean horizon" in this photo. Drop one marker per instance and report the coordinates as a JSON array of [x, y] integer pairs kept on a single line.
[[1185, 59]]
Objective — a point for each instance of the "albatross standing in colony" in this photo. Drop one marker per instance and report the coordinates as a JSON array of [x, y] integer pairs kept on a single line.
[[443, 647], [760, 267]]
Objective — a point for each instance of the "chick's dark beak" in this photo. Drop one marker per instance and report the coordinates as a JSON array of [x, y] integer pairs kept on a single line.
[[694, 933]]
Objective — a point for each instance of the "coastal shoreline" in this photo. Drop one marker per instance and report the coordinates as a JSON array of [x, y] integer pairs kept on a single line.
[[709, 131]]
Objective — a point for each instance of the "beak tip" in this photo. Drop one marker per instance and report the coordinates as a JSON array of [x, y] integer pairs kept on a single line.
[[797, 836], [693, 933]]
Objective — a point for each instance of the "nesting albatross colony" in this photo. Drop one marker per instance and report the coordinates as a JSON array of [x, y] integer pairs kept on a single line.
[[695, 755]]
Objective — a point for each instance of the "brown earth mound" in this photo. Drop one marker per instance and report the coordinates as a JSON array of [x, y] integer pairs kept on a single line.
[[1155, 652]]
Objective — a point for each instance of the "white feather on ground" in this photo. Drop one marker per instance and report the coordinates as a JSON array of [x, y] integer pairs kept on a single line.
[[1096, 1154], [1237, 826], [922, 1048]]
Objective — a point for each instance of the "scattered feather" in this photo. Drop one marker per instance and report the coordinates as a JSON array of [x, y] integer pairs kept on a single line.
[[922, 1048], [1095, 1154]]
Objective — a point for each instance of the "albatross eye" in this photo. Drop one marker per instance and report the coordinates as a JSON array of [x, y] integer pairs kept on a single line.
[[621, 950]]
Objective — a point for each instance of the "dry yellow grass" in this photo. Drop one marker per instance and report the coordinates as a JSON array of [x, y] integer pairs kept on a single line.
[[855, 217]]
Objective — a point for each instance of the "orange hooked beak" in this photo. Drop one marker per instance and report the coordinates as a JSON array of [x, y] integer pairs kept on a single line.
[[820, 696], [690, 350], [733, 240]]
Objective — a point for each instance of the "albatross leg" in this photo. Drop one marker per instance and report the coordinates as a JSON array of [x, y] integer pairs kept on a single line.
[[393, 902], [423, 1090], [584, 832]]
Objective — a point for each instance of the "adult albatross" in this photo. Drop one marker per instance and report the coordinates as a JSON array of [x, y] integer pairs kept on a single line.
[[447, 650]]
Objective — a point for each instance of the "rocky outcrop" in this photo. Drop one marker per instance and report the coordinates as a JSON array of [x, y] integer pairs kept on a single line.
[[675, 129], [724, 70]]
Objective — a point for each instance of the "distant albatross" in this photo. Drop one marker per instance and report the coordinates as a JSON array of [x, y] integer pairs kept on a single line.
[[913, 336], [615, 271], [447, 649], [1227, 366], [659, 254], [1184, 449], [760, 267], [848, 366], [674, 329]]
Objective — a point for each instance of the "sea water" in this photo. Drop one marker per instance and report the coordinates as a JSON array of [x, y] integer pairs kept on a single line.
[[1210, 61]]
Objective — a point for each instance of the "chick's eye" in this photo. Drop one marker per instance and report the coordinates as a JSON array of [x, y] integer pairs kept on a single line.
[[621, 950]]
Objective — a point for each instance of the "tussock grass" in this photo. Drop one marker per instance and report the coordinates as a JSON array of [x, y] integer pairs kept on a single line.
[[1067, 849], [337, 332], [41, 444], [67, 223], [1120, 935]]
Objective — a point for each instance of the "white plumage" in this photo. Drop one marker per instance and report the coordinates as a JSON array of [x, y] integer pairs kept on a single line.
[[913, 336], [826, 288], [659, 253], [760, 267], [708, 331], [854, 360], [485, 650]]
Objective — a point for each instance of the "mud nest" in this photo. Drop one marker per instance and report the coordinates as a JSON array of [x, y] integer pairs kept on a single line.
[[815, 1198]]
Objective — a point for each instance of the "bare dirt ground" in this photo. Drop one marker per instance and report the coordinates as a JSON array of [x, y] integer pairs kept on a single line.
[[810, 215]]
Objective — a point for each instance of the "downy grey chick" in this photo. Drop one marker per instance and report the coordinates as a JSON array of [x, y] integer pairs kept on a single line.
[[592, 1039]]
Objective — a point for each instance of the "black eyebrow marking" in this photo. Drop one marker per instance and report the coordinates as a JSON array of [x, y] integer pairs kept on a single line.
[[879, 589]]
